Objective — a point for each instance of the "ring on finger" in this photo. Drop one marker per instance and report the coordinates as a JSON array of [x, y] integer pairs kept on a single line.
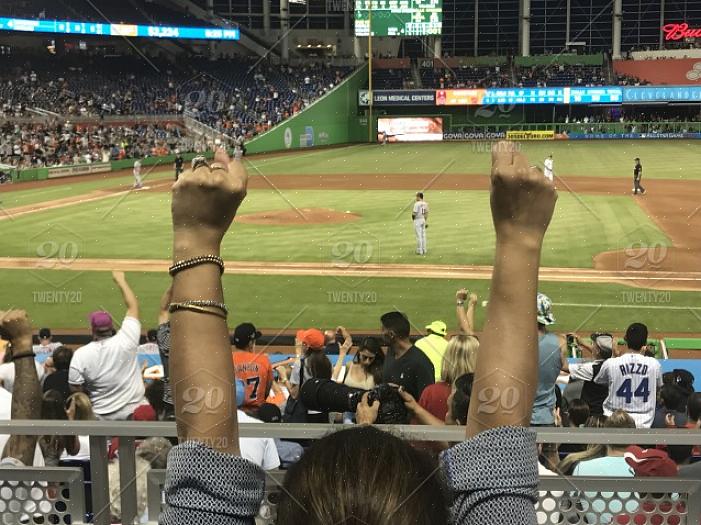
[[217, 166], [199, 162]]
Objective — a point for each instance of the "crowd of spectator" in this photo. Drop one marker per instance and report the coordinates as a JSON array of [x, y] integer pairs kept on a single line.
[[38, 145], [473, 77], [236, 96]]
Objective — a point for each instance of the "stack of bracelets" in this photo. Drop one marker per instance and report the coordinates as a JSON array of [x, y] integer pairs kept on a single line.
[[199, 306]]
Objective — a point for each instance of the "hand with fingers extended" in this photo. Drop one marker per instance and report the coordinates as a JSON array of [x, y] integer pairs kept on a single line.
[[205, 200], [522, 199]]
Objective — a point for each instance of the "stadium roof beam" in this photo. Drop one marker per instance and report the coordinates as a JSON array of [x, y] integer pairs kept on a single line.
[[257, 46]]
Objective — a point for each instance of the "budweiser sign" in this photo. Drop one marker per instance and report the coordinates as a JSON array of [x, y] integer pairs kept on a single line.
[[680, 31]]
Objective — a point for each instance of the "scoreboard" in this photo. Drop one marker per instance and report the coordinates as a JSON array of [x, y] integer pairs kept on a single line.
[[71, 27], [399, 17]]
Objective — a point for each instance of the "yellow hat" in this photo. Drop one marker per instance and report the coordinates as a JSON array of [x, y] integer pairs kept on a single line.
[[438, 327]]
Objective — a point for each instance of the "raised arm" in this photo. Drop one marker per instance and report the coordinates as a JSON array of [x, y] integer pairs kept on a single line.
[[204, 204], [522, 202], [466, 318], [343, 350], [26, 396], [130, 300], [224, 488]]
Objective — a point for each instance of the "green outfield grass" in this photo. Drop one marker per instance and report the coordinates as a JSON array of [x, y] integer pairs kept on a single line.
[[274, 301], [662, 159], [136, 225], [73, 186]]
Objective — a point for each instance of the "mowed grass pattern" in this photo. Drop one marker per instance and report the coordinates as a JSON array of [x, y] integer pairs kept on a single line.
[[301, 302], [137, 225], [662, 159]]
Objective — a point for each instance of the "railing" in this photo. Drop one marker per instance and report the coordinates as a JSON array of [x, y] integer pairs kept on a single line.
[[127, 432]]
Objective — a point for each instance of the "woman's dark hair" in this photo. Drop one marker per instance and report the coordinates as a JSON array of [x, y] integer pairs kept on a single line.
[[578, 412], [673, 398], [461, 398], [154, 395], [62, 358], [373, 345], [151, 336], [316, 490], [53, 406], [319, 365]]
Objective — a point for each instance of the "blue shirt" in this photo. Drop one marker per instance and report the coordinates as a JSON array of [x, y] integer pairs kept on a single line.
[[550, 363]]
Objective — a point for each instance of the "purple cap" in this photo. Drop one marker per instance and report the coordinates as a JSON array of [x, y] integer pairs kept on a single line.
[[100, 321]]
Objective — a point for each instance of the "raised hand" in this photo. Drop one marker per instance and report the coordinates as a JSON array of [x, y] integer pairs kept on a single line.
[[205, 200], [15, 325], [522, 199]]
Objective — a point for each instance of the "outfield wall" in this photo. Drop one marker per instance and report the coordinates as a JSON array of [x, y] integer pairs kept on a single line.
[[98, 167], [331, 120]]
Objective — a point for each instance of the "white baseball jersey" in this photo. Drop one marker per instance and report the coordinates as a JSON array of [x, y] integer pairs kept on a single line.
[[137, 167], [420, 211], [633, 380], [548, 168]]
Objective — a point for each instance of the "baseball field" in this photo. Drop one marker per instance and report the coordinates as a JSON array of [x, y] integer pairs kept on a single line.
[[325, 238]]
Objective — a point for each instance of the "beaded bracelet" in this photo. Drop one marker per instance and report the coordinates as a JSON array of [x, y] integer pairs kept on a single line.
[[196, 261], [201, 303], [177, 307]]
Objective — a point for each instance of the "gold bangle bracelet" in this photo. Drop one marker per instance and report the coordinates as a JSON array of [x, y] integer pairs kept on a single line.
[[179, 307]]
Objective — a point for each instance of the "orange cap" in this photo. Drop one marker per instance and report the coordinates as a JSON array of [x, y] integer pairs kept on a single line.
[[313, 338]]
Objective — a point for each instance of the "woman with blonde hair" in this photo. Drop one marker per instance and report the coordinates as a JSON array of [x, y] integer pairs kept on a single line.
[[598, 459], [460, 358], [79, 408]]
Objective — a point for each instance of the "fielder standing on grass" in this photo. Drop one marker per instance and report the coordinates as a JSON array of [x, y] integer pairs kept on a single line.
[[420, 217], [548, 167], [137, 174], [637, 177], [179, 161]]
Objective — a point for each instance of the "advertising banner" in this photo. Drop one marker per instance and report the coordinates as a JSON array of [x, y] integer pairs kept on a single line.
[[642, 94], [79, 169], [398, 97], [530, 135], [409, 129], [459, 97], [474, 135], [633, 136]]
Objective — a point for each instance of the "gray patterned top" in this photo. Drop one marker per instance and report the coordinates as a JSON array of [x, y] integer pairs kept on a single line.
[[493, 475]]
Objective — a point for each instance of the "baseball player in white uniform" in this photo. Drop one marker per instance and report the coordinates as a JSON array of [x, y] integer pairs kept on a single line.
[[420, 217], [137, 174], [548, 167], [633, 379]]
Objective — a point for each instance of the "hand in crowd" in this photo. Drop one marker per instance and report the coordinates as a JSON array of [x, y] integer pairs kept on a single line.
[[366, 413]]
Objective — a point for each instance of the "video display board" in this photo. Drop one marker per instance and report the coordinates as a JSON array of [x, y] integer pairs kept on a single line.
[[69, 27], [399, 17]]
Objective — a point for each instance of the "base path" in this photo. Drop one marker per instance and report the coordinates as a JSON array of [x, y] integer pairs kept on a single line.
[[644, 279]]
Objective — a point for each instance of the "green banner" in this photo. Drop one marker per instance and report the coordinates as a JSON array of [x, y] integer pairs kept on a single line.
[[331, 120]]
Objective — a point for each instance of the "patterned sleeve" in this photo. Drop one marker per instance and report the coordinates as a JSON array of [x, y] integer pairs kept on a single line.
[[494, 477], [206, 486]]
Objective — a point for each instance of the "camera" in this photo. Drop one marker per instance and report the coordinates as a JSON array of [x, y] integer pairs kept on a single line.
[[328, 396]]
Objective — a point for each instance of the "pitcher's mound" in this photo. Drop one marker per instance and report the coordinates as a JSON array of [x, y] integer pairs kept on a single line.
[[297, 216]]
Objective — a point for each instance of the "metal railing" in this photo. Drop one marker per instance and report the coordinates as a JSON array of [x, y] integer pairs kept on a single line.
[[127, 431]]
